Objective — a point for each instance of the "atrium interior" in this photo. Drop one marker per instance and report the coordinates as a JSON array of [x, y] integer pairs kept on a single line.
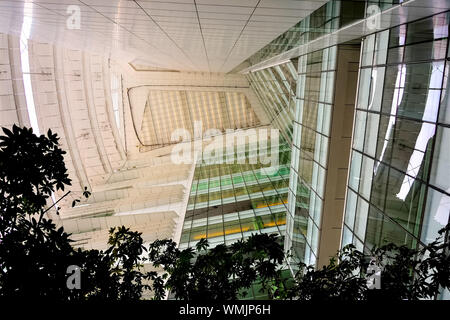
[[340, 110]]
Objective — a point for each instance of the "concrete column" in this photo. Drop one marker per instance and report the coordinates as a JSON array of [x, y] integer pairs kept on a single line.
[[339, 151]]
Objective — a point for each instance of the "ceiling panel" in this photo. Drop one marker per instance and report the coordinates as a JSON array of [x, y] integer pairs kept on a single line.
[[196, 35]]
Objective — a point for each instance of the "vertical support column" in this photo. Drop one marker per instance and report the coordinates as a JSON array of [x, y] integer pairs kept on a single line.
[[339, 151]]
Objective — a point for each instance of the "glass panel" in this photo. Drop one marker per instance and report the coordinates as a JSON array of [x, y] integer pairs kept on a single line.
[[376, 89], [366, 177], [395, 55], [329, 94], [364, 88], [378, 196], [347, 237], [412, 140], [384, 143], [350, 208], [358, 244], [326, 123], [426, 51], [440, 170], [404, 200], [419, 100], [436, 215], [321, 182], [397, 36], [393, 233], [381, 45], [374, 227], [360, 126], [392, 93], [368, 47], [323, 151], [355, 169], [361, 218], [315, 238], [444, 112], [371, 133], [428, 29]]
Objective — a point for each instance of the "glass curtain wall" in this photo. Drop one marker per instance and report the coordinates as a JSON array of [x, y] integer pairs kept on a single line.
[[398, 188], [330, 17], [275, 88], [324, 20], [229, 202], [315, 95]]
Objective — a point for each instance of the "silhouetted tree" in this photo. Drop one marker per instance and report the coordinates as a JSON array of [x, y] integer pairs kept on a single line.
[[406, 274], [223, 272], [34, 254]]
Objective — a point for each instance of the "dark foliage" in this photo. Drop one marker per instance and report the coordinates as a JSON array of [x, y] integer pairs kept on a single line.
[[336, 281], [34, 254], [406, 274], [222, 272]]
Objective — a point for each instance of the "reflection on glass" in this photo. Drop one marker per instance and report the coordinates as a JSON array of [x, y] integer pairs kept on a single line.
[[437, 215], [440, 170]]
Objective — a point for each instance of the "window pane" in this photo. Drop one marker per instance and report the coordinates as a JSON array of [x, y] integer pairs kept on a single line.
[[440, 170], [364, 88], [360, 126], [355, 168], [412, 141], [434, 50], [329, 94], [368, 46], [404, 200], [381, 45], [397, 36], [371, 133], [436, 215], [420, 99], [347, 237], [361, 218], [376, 89], [374, 226], [428, 29], [385, 134], [392, 83], [395, 55], [379, 185], [393, 233], [358, 244], [350, 208], [366, 177], [444, 112]]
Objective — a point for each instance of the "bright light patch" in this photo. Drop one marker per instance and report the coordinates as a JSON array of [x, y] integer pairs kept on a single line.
[[25, 60], [24, 57]]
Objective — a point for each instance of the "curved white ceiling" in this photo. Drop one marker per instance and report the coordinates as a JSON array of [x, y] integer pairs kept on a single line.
[[195, 35]]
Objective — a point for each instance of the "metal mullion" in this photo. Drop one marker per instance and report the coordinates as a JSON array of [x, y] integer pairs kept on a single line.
[[272, 89], [284, 80], [262, 81], [193, 210], [235, 201], [258, 91], [153, 121], [246, 188], [265, 199]]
